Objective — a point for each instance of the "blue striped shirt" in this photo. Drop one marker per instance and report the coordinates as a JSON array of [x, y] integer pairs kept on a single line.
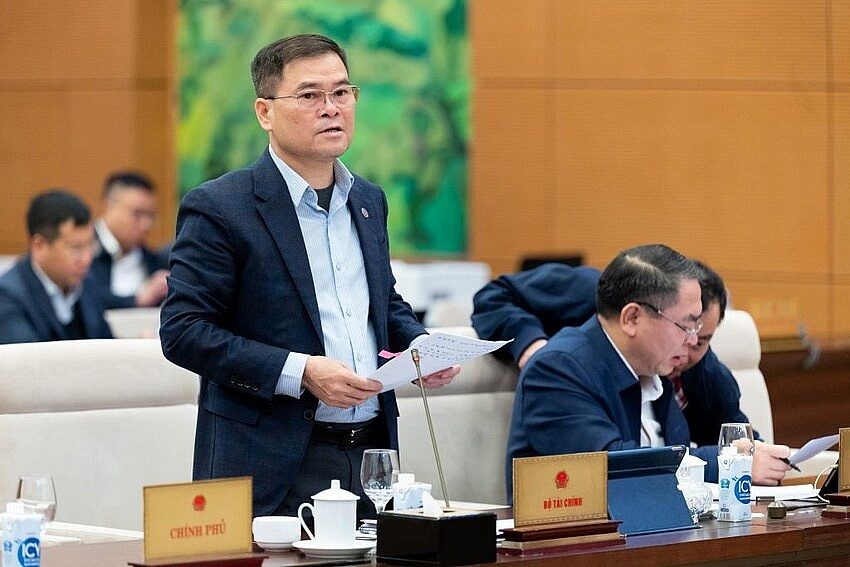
[[342, 292]]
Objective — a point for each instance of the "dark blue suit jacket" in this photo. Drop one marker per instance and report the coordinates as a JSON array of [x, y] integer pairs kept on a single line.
[[100, 275], [534, 304], [577, 395], [27, 315], [240, 298]]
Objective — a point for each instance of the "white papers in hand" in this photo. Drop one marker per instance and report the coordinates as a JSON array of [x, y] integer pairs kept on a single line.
[[812, 448], [436, 352]]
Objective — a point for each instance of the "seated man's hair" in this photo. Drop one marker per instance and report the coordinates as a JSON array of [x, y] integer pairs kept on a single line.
[[124, 179], [650, 274], [49, 210], [712, 288]]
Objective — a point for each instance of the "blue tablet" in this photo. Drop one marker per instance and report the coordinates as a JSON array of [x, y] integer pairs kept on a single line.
[[643, 493]]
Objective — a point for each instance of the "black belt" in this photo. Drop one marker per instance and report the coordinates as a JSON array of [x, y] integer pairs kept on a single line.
[[351, 435]]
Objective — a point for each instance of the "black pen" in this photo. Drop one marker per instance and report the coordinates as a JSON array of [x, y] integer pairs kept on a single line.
[[790, 464]]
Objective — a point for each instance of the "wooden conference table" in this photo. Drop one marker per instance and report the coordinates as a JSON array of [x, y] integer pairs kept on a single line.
[[803, 538]]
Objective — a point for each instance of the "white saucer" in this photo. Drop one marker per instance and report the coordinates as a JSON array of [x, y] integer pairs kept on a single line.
[[312, 549], [274, 545]]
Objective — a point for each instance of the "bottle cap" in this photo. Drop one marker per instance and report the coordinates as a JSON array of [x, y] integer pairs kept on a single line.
[[406, 478], [15, 508]]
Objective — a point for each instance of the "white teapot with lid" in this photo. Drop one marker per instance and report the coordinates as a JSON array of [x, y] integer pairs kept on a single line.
[[334, 516]]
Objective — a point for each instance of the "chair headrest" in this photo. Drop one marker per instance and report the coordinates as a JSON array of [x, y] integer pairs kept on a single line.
[[90, 374], [736, 341]]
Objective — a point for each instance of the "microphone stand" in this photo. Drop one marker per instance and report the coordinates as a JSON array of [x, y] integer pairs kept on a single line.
[[414, 354]]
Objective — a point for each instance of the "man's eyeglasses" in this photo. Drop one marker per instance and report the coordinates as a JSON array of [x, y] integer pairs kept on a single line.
[[689, 331], [313, 99]]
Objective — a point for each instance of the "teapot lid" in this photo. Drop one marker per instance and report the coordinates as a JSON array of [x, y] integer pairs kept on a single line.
[[335, 493]]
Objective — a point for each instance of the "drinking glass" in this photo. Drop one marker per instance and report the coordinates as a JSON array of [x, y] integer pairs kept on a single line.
[[737, 435], [377, 473], [38, 495]]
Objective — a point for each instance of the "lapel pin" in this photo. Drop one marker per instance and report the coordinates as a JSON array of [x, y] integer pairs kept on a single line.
[[364, 212]]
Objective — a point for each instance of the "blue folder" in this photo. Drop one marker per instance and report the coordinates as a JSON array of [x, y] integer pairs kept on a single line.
[[643, 493]]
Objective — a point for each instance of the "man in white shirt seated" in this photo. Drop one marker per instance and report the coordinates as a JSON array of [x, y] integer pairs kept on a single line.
[[125, 271], [43, 298]]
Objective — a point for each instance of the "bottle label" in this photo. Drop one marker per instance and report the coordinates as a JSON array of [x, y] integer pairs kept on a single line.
[[21, 540], [29, 552], [742, 489]]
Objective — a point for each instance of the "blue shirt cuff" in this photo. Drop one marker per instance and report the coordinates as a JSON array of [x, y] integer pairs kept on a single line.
[[289, 382]]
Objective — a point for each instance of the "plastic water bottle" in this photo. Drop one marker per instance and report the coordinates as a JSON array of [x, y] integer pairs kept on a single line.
[[21, 537], [735, 463]]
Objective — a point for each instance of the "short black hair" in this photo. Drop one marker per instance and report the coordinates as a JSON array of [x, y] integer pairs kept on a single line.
[[132, 179], [649, 274], [49, 210], [712, 288], [267, 66]]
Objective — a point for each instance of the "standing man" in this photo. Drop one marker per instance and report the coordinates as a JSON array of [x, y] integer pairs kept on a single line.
[[596, 387], [126, 272], [43, 298], [281, 294]]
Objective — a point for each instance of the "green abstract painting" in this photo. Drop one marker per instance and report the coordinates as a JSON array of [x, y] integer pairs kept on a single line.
[[410, 58]]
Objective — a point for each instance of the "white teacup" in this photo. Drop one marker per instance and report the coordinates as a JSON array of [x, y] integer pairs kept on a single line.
[[276, 529], [334, 516]]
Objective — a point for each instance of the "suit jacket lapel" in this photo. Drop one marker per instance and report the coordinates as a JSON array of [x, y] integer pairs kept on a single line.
[[277, 211], [41, 300], [623, 380], [367, 217]]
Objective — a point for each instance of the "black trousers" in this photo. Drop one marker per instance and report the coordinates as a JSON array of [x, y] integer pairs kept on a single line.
[[325, 461]]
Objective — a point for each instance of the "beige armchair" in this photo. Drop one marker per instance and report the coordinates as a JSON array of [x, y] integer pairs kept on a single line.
[[103, 417]]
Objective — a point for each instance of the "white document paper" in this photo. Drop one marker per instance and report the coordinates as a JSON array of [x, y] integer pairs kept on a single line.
[[812, 448], [436, 352]]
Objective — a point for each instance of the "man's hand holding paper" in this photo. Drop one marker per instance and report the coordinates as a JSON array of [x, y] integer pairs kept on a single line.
[[439, 354], [336, 384], [439, 378]]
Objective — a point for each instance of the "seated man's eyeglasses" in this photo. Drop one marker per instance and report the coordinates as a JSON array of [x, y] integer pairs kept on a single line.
[[689, 331], [312, 99]]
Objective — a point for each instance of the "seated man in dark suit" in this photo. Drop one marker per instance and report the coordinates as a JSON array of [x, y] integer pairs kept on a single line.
[[535, 304], [127, 273], [43, 298], [591, 370]]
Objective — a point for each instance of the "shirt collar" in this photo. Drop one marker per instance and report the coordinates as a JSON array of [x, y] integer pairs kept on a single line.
[[650, 388], [297, 185], [620, 354], [107, 240], [53, 290]]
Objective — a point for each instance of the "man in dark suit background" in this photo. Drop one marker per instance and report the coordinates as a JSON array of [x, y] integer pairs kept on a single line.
[[597, 387], [281, 294], [43, 298], [125, 270]]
